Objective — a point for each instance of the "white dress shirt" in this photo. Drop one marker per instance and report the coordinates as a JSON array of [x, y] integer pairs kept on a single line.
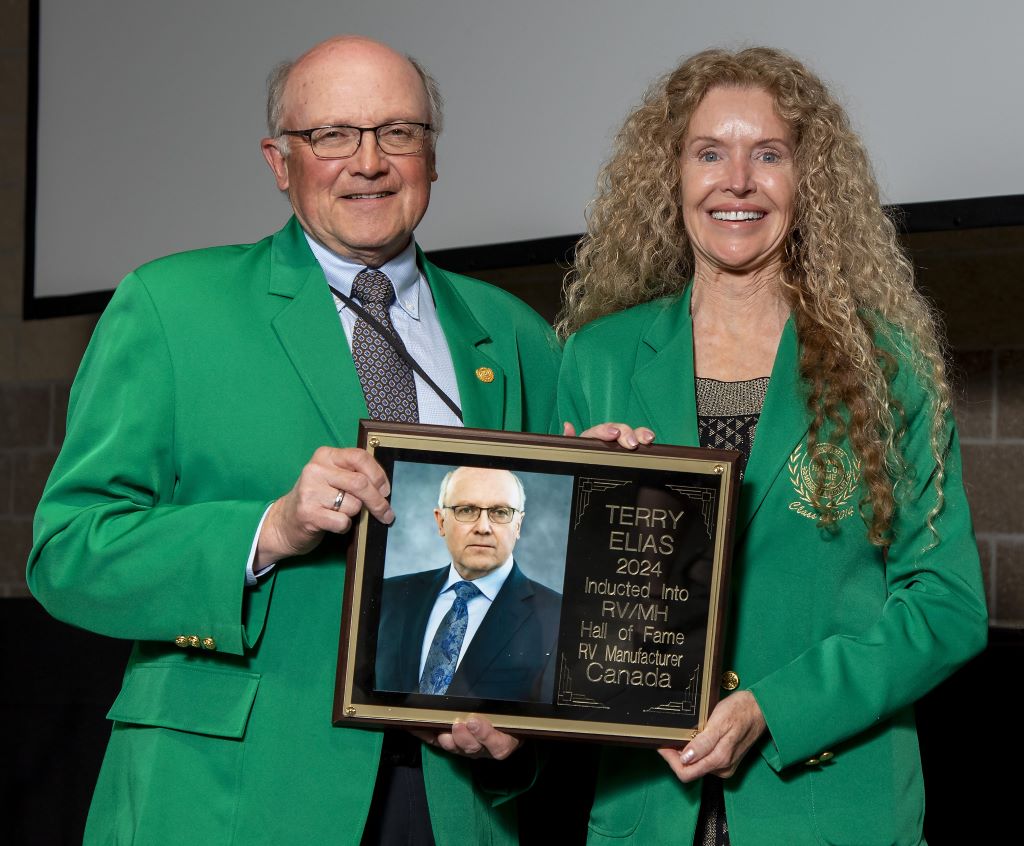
[[415, 320]]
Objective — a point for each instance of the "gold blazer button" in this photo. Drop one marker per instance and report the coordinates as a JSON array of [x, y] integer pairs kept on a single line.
[[193, 641], [730, 681], [181, 641], [485, 374], [209, 643], [812, 762], [826, 756]]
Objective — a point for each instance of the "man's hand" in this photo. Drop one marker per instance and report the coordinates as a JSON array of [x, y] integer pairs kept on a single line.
[[625, 435], [732, 728], [296, 522], [473, 738]]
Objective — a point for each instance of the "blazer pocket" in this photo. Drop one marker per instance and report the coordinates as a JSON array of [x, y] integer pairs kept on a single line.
[[621, 797], [201, 700]]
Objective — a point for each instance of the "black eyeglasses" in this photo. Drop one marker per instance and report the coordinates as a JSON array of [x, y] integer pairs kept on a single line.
[[471, 513], [401, 138]]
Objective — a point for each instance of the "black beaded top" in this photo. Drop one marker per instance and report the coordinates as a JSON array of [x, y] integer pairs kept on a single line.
[[727, 414]]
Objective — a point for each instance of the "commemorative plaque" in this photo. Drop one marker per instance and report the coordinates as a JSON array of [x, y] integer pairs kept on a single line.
[[598, 586]]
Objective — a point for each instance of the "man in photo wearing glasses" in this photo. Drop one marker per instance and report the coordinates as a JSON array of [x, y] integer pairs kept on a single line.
[[476, 627]]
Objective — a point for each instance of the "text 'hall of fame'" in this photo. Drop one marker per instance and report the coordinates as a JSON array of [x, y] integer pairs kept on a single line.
[[639, 569]]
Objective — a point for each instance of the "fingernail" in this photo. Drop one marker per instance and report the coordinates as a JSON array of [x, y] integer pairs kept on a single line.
[[473, 725], [631, 441], [687, 756]]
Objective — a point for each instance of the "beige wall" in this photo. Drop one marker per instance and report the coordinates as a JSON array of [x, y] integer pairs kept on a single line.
[[976, 277]]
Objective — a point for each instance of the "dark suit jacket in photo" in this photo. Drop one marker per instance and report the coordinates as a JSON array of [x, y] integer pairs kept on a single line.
[[512, 655]]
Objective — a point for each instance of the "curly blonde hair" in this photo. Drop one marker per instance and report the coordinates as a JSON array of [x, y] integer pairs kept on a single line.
[[845, 275]]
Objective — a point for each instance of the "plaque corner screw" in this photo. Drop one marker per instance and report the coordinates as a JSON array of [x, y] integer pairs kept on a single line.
[[719, 468], [350, 711], [374, 442]]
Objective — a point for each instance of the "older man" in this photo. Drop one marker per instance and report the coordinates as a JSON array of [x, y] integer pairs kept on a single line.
[[476, 627], [186, 513]]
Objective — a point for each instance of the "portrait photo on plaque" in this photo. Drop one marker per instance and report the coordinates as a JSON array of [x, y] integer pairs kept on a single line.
[[472, 592], [555, 585]]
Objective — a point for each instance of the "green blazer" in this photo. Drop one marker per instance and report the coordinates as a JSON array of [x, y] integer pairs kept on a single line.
[[211, 379], [834, 639]]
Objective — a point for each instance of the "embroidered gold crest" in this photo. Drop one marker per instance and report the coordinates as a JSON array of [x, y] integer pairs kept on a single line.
[[842, 475]]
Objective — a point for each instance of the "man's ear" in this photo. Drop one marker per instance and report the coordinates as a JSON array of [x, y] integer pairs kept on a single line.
[[439, 517], [277, 161]]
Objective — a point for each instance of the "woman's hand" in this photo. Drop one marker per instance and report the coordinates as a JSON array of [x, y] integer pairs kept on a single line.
[[626, 436], [732, 728]]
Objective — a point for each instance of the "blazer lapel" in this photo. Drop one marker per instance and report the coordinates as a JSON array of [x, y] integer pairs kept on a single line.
[[480, 378], [311, 334], [415, 628], [506, 614], [663, 383], [782, 424], [673, 412]]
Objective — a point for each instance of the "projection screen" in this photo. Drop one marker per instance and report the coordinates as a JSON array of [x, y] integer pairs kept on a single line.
[[149, 114]]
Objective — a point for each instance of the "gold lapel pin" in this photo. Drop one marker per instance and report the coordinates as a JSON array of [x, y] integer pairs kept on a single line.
[[485, 374]]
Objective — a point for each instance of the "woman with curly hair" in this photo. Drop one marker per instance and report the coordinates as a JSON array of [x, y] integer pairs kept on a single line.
[[741, 287]]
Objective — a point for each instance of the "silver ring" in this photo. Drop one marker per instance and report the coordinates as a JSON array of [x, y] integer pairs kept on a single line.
[[338, 500]]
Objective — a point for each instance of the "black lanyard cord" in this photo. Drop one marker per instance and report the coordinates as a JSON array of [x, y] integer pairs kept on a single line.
[[398, 346]]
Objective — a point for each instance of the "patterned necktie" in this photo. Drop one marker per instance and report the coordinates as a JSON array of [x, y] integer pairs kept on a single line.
[[443, 656], [388, 383]]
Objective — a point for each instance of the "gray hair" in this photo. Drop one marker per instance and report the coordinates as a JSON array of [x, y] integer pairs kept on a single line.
[[442, 492], [277, 81]]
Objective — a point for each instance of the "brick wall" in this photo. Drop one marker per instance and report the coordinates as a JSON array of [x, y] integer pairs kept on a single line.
[[38, 359], [992, 431], [977, 280], [976, 277]]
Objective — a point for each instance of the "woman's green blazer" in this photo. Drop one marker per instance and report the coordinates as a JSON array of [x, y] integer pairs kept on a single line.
[[834, 638]]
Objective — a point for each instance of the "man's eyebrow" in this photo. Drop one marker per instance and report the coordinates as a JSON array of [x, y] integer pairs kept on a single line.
[[385, 122]]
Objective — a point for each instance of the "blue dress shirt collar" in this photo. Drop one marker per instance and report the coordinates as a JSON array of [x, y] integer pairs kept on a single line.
[[401, 270], [488, 585]]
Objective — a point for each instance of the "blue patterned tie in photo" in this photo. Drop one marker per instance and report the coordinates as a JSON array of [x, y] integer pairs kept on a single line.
[[443, 656]]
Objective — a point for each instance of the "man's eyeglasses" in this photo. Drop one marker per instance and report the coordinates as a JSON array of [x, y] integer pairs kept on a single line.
[[471, 513], [402, 138]]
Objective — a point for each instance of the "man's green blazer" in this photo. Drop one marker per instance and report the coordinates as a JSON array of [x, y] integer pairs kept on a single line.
[[211, 379], [835, 639]]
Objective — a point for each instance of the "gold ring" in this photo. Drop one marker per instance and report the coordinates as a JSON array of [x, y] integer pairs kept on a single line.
[[338, 500]]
